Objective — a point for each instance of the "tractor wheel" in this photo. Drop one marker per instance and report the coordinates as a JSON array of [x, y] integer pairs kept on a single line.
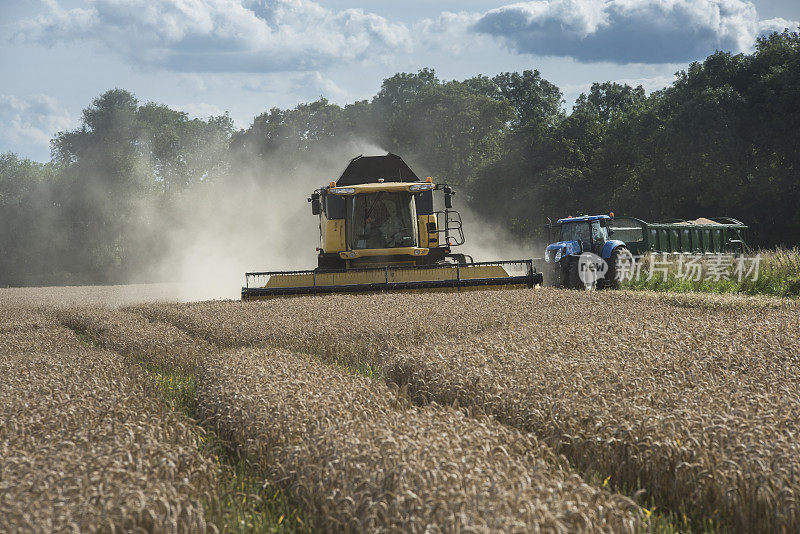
[[569, 273], [562, 273], [552, 275], [619, 255]]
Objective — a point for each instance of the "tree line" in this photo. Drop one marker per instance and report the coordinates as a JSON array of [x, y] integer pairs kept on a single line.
[[722, 140]]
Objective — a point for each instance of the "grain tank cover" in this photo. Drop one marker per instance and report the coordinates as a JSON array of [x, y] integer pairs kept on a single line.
[[370, 169]]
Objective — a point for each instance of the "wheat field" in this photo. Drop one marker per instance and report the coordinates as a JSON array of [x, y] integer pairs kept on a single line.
[[83, 445], [521, 410]]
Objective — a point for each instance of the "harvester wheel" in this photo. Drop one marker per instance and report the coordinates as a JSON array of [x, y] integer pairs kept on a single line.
[[330, 262], [618, 255]]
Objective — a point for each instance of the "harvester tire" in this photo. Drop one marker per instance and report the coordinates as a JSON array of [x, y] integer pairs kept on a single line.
[[330, 262], [612, 281]]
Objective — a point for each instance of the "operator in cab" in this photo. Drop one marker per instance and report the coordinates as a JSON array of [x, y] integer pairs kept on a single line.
[[385, 227]]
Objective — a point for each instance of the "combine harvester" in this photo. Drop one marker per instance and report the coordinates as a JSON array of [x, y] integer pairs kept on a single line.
[[379, 232]]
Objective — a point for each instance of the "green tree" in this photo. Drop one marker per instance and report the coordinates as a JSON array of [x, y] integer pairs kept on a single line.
[[291, 131], [455, 131], [28, 243], [611, 98], [536, 101], [183, 152]]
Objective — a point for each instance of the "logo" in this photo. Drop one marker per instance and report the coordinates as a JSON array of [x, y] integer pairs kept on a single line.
[[591, 268]]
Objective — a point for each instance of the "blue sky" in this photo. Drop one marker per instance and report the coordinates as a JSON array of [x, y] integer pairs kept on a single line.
[[245, 56]]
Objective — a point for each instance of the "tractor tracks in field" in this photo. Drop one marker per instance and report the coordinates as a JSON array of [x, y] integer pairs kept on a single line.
[[242, 500], [616, 409], [362, 360], [541, 479], [659, 407]]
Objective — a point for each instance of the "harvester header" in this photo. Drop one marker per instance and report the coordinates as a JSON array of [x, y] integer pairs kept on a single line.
[[379, 230]]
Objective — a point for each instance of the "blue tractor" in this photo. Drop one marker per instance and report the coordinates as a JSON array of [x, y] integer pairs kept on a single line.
[[576, 236]]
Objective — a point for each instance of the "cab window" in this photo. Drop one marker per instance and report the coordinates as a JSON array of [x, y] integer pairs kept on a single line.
[[382, 220], [577, 231], [599, 235]]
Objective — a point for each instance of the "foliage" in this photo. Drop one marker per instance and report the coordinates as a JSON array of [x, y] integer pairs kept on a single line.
[[97, 211], [778, 274], [717, 142]]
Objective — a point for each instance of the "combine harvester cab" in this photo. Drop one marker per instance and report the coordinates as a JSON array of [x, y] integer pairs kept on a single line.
[[379, 231]]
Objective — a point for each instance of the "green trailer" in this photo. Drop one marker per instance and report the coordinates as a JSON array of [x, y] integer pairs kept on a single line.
[[719, 235]]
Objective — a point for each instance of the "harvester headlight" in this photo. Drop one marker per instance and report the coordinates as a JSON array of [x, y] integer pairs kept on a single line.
[[421, 187], [557, 257], [417, 252], [342, 190]]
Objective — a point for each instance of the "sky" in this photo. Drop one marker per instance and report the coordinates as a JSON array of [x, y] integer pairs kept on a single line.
[[207, 57]]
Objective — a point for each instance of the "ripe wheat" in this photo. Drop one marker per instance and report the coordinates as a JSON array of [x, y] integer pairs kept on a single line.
[[84, 446], [694, 399], [364, 460]]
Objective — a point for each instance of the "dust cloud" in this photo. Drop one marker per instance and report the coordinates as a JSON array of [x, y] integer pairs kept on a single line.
[[256, 219], [489, 241]]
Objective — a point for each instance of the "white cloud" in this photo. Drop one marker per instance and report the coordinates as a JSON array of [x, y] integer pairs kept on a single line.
[[649, 84], [28, 123], [449, 32], [315, 82], [776, 25], [222, 35], [194, 82], [628, 31]]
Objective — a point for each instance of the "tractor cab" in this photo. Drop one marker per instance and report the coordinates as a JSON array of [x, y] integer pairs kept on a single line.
[[384, 223]]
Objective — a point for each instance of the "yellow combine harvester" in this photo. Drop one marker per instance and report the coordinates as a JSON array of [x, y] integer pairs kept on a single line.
[[379, 231]]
